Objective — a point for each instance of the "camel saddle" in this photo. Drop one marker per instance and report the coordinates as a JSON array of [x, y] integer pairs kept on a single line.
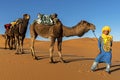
[[13, 23], [7, 26], [44, 19]]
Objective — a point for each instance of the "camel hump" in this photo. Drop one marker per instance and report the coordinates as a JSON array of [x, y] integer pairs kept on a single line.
[[46, 19]]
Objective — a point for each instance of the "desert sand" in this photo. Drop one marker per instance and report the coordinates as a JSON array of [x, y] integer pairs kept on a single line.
[[79, 53]]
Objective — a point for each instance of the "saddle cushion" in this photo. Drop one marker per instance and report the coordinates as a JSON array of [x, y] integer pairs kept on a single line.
[[44, 19], [13, 23], [7, 26]]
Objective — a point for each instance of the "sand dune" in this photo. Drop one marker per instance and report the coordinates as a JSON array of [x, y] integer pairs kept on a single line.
[[79, 53]]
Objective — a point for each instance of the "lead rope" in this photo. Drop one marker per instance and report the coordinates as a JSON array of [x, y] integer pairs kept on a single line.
[[95, 35]]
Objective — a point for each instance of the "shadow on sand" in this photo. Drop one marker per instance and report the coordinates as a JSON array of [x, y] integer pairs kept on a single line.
[[42, 57], [75, 58], [114, 68], [66, 58], [2, 48]]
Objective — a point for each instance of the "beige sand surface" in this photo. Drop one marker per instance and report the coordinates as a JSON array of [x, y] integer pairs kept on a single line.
[[79, 53]]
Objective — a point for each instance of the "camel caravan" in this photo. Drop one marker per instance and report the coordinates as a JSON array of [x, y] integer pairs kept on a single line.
[[47, 26], [15, 33]]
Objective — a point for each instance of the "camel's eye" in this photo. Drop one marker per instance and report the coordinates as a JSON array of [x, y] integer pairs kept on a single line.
[[88, 24]]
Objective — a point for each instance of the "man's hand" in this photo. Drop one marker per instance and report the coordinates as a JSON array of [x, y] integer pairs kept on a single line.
[[99, 51]]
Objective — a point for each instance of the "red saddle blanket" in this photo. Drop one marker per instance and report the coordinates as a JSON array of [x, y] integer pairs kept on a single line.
[[7, 26]]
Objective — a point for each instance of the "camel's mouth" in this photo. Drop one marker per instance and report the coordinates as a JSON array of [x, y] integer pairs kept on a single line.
[[93, 28]]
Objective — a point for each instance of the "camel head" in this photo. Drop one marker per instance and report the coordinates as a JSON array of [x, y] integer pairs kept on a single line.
[[82, 27], [26, 16], [87, 26]]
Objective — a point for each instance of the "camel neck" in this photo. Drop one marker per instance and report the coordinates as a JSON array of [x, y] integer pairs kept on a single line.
[[25, 22], [74, 31], [67, 31]]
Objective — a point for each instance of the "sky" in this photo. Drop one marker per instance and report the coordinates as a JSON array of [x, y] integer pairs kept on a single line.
[[70, 12]]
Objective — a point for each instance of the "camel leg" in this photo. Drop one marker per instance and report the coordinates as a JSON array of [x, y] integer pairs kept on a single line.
[[59, 46], [14, 43], [33, 35], [17, 44], [32, 47], [52, 49], [6, 41], [11, 43], [21, 44], [22, 51]]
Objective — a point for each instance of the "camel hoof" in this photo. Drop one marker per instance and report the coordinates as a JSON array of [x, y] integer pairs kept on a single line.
[[17, 53], [52, 61], [23, 52], [11, 48], [36, 58]]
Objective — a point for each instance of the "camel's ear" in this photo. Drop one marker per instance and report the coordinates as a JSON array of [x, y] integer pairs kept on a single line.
[[82, 21]]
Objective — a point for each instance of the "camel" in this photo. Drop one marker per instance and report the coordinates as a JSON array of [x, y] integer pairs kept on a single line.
[[56, 32], [20, 31], [9, 39]]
